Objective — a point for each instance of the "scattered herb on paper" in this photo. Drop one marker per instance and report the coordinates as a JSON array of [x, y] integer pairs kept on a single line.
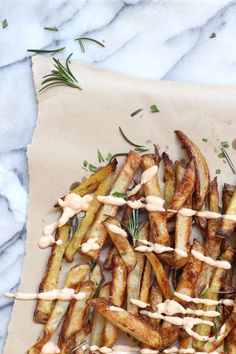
[[53, 28], [61, 75], [4, 23], [136, 112], [213, 35], [221, 155], [154, 108], [205, 140], [45, 51], [108, 157], [138, 148], [218, 171], [81, 39], [228, 159], [100, 157], [225, 144]]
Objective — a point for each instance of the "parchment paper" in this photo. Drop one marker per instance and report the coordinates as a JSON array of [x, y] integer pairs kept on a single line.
[[73, 124]]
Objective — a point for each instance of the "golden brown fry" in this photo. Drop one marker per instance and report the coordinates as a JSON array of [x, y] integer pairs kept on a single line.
[[80, 338], [169, 179], [75, 319], [108, 261], [120, 185], [122, 244], [146, 281], [184, 189], [185, 342], [155, 298], [128, 323], [44, 308], [160, 274], [202, 171], [75, 276], [212, 293], [98, 319], [158, 221], [228, 191], [227, 226], [135, 276], [118, 286], [231, 342], [73, 246], [96, 276]]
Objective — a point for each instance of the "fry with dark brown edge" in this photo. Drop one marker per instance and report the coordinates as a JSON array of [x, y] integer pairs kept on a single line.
[[184, 189], [146, 281], [158, 221], [128, 323], [74, 319], [98, 319], [75, 276], [169, 178], [122, 244], [170, 333], [120, 185], [44, 308], [118, 286], [231, 342], [155, 298], [135, 276], [108, 261], [96, 275], [227, 226], [73, 246]]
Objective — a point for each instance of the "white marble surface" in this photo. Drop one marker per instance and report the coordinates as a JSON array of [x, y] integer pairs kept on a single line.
[[165, 39]]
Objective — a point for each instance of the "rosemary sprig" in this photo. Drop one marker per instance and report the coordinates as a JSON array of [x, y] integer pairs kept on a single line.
[[136, 112], [228, 159], [138, 147], [81, 39], [217, 321], [77, 347], [4, 23], [45, 51], [53, 28], [61, 76], [73, 225], [133, 224]]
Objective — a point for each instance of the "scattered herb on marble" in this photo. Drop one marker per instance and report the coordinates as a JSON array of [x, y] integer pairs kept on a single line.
[[54, 29], [4, 23], [213, 35], [136, 112], [81, 39], [154, 108], [119, 195], [45, 51], [228, 159], [61, 76], [205, 140], [218, 171], [138, 148]]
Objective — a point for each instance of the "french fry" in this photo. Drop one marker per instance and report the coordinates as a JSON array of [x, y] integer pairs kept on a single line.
[[228, 191], [231, 342], [86, 222], [169, 178], [160, 274], [155, 298], [120, 185], [227, 226], [158, 221], [75, 276], [202, 171], [108, 261], [185, 342], [80, 338], [128, 323], [75, 319], [146, 281], [212, 293], [118, 286], [121, 243], [44, 308], [135, 276], [98, 319], [96, 275], [170, 333], [184, 189]]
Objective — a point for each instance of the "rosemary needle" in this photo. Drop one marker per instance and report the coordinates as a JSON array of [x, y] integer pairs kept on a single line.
[[45, 51], [54, 28], [81, 39]]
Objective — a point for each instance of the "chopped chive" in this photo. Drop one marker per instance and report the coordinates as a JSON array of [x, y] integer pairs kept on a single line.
[[205, 140], [154, 108], [100, 157], [85, 163], [221, 155], [213, 35], [54, 28], [218, 171], [108, 157], [119, 195], [225, 144], [92, 168], [136, 112], [4, 23]]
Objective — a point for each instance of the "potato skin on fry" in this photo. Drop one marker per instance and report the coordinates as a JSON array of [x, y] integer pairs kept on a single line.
[[227, 226], [169, 178], [44, 308], [128, 323]]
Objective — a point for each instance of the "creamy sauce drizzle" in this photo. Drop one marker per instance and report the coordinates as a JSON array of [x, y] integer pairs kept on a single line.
[[65, 294], [207, 302], [117, 230], [210, 261], [146, 176], [50, 348], [90, 245], [115, 309], [48, 239]]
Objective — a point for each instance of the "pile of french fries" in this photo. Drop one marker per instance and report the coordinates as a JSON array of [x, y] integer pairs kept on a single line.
[[116, 273]]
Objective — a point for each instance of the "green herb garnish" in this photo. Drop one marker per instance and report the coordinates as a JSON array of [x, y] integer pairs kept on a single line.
[[140, 149], [205, 140], [136, 112], [92, 168], [77, 347], [61, 76], [213, 35], [154, 108], [218, 171], [225, 144], [228, 159], [133, 224], [4, 23], [129, 141], [81, 39], [119, 195], [221, 155], [45, 51], [203, 292], [54, 28], [108, 157], [93, 264], [100, 157], [73, 225]]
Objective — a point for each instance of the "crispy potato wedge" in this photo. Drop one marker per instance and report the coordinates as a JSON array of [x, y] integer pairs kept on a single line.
[[97, 276], [75, 319], [122, 244], [202, 170], [212, 293], [75, 276], [158, 221], [185, 342], [128, 323], [184, 189], [155, 298], [227, 226], [118, 286], [228, 191], [135, 276], [146, 281], [44, 308], [169, 178], [120, 185], [98, 319], [75, 242], [160, 274], [231, 342], [108, 261], [80, 338]]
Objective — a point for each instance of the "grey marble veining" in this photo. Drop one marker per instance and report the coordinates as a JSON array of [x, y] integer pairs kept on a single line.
[[165, 39]]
